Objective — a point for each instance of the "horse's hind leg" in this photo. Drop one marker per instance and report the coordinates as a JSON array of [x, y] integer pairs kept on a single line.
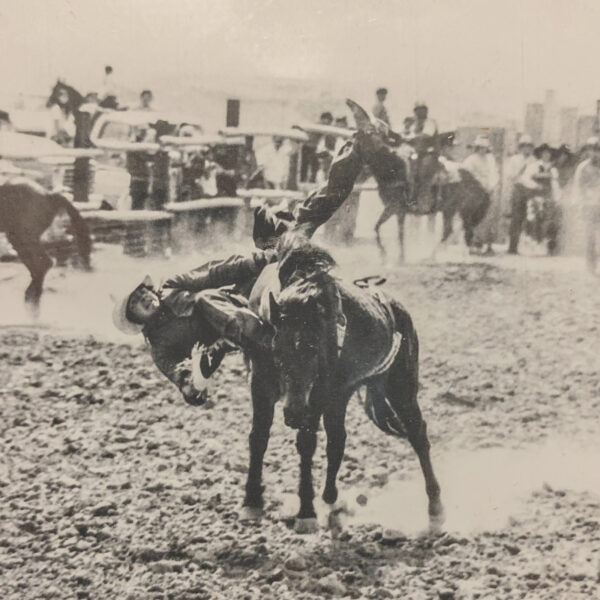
[[37, 262], [388, 211], [401, 392], [264, 394]]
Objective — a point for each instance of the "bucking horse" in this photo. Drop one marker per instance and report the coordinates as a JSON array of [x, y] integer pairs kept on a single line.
[[330, 340], [26, 211]]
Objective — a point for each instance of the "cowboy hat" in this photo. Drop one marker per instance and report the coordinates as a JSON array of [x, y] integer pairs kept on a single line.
[[120, 320], [420, 104], [542, 148], [525, 140]]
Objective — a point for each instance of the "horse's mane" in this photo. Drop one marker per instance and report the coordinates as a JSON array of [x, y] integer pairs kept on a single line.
[[304, 276], [299, 258]]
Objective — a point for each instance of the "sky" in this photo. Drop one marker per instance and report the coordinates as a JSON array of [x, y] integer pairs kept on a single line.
[[461, 56]]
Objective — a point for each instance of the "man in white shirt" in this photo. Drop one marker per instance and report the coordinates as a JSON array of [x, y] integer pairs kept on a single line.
[[423, 131], [108, 91], [482, 164], [523, 187]]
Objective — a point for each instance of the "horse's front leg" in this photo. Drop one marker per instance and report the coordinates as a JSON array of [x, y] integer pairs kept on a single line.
[[306, 444], [333, 422], [264, 388]]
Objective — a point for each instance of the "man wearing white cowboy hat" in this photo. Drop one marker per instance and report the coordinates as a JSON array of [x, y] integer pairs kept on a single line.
[[586, 191], [176, 322], [482, 164]]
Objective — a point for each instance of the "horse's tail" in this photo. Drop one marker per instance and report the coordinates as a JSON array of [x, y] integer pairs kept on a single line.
[[81, 230]]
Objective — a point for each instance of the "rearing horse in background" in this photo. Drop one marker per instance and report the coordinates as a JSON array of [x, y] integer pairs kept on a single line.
[[26, 211], [330, 340], [427, 192]]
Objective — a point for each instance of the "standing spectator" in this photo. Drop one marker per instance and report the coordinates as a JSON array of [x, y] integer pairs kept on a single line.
[[108, 90], [379, 109], [482, 165], [146, 99], [519, 170], [587, 191], [62, 127], [309, 162]]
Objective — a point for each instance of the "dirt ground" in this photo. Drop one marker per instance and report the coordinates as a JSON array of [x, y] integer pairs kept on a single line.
[[112, 487]]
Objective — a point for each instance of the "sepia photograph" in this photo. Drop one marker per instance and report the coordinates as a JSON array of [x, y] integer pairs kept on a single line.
[[299, 299]]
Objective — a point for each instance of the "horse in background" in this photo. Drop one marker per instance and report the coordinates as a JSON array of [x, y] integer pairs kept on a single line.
[[330, 340], [423, 189], [26, 211]]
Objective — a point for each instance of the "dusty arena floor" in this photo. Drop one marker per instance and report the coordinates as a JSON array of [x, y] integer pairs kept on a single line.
[[112, 487]]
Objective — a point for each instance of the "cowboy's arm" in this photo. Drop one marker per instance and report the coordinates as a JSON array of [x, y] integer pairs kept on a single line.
[[235, 270]]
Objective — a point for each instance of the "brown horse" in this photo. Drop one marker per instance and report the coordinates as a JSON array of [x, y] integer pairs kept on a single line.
[[330, 340], [26, 211]]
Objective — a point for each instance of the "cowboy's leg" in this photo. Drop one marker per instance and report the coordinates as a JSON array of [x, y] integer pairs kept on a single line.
[[233, 321], [321, 205]]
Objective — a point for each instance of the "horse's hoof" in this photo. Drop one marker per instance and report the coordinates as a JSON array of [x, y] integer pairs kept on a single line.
[[303, 526], [336, 518], [437, 518], [250, 514]]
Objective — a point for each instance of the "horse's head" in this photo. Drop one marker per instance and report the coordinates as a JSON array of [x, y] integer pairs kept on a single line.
[[304, 318]]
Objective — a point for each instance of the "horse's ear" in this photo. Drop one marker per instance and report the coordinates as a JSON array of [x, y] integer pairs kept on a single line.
[[274, 309]]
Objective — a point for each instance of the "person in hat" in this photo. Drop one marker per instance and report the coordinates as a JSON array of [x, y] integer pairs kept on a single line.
[[175, 321], [544, 172], [586, 192], [379, 110], [422, 125], [522, 187], [451, 172], [482, 164]]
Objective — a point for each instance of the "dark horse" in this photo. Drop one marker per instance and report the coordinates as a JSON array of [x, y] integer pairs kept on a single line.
[[26, 211], [429, 192], [330, 340]]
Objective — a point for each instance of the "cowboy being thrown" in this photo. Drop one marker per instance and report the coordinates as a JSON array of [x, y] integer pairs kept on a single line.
[[207, 308]]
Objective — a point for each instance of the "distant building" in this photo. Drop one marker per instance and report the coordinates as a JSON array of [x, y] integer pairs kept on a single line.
[[586, 127], [568, 126], [551, 119], [534, 121]]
